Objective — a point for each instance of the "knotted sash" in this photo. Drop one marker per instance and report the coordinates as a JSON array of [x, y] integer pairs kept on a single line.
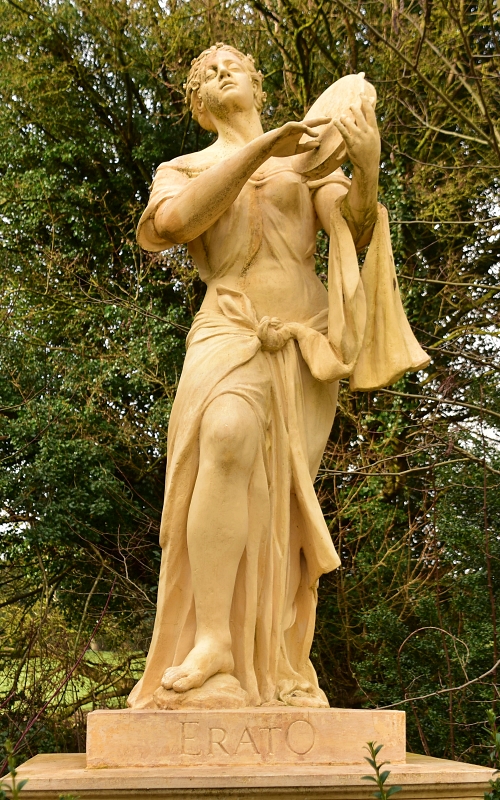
[[363, 334]]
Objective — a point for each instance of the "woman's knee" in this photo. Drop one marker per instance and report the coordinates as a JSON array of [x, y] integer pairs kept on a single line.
[[229, 433]]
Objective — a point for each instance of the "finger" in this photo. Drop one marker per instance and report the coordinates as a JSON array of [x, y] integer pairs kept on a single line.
[[313, 123], [348, 123], [309, 127], [368, 105], [359, 116], [310, 131], [304, 148], [343, 131]]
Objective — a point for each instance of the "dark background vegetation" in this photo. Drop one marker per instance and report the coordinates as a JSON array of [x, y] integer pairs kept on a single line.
[[92, 339]]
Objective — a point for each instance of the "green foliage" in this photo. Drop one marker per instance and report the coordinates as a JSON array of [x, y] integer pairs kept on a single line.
[[494, 737], [380, 778], [92, 342], [12, 789], [494, 793]]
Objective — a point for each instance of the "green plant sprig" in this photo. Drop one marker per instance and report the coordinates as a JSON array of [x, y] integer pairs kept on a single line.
[[380, 778], [11, 791], [494, 739]]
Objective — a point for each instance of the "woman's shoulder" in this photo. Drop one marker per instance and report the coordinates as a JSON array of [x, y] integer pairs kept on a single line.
[[169, 180], [189, 165], [336, 177], [171, 176]]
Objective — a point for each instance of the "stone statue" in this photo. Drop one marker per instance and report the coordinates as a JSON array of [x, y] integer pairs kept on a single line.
[[244, 540]]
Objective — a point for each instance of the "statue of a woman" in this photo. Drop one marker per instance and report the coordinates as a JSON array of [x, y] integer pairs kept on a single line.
[[244, 540]]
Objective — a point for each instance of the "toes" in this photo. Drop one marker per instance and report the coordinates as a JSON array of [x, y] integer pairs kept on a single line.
[[191, 681], [171, 675]]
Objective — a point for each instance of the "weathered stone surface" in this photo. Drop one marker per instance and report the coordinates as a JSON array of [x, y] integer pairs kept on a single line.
[[219, 691], [252, 736], [422, 778], [243, 537]]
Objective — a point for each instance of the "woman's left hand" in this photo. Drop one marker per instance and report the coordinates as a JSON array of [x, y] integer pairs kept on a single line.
[[360, 133]]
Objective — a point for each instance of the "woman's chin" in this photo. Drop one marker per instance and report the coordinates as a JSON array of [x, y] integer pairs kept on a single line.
[[230, 100]]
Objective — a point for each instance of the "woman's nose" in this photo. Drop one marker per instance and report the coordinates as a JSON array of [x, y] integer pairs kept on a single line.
[[223, 71]]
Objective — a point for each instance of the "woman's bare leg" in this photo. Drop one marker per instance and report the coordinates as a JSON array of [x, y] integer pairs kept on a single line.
[[217, 534]]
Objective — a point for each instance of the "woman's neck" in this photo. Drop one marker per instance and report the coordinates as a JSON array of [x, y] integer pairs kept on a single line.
[[237, 130]]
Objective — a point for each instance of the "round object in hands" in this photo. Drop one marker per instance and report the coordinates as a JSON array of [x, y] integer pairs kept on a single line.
[[335, 102]]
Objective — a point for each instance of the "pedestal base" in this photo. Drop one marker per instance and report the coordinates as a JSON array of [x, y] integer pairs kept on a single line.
[[278, 735], [422, 778]]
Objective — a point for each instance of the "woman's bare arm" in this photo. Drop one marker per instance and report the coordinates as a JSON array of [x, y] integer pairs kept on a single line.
[[359, 206], [206, 197], [362, 139], [360, 224]]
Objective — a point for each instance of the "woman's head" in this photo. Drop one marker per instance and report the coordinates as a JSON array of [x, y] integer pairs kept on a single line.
[[224, 64]]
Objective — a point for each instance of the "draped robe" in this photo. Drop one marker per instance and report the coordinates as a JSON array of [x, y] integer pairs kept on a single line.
[[291, 385]]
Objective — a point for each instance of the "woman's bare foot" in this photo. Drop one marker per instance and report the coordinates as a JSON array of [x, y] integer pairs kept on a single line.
[[207, 657]]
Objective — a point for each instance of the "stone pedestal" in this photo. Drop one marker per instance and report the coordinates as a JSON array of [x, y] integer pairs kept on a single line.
[[274, 753], [249, 736], [422, 778]]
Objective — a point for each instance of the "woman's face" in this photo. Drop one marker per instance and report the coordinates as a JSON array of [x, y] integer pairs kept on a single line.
[[226, 87]]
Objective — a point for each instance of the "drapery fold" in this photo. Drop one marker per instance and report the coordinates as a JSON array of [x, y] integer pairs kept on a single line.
[[289, 545], [369, 338], [363, 335]]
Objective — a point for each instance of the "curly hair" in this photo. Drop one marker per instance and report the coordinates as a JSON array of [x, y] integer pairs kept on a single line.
[[196, 75]]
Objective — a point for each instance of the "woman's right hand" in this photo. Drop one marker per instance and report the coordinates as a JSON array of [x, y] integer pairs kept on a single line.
[[283, 142]]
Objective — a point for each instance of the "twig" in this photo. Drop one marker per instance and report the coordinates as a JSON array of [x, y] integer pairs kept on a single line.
[[444, 691], [64, 681]]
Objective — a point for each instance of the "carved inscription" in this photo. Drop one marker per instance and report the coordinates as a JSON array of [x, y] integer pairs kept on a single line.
[[235, 738], [246, 739], [217, 739], [300, 737], [187, 740], [270, 741], [257, 742]]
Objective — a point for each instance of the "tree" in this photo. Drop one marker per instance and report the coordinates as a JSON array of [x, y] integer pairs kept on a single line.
[[93, 340]]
